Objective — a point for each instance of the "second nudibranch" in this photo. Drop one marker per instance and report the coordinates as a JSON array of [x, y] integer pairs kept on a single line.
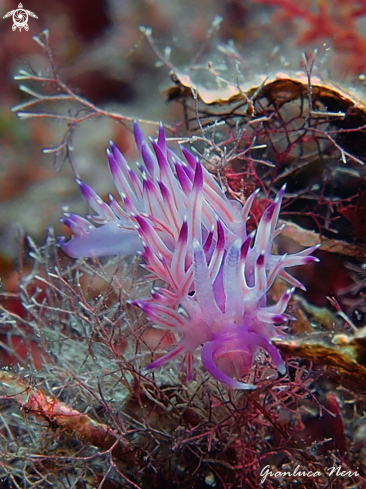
[[193, 238]]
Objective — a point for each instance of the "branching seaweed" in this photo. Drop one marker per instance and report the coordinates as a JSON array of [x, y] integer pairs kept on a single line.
[[75, 409], [86, 412], [61, 96]]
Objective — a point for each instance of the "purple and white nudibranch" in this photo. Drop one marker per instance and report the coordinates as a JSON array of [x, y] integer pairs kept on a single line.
[[193, 238]]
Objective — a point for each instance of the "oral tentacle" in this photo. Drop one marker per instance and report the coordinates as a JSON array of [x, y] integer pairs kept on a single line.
[[207, 356]]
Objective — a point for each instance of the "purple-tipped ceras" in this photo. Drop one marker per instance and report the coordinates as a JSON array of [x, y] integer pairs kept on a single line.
[[192, 237]]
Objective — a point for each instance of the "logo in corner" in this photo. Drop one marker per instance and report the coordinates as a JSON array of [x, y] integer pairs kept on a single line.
[[20, 17]]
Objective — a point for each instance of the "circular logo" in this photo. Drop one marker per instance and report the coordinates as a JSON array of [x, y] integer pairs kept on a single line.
[[20, 19]]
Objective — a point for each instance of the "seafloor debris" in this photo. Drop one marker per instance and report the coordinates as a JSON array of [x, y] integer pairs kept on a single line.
[[291, 128], [347, 353]]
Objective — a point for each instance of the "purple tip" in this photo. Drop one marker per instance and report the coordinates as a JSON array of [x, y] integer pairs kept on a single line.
[[280, 193], [148, 157], [139, 135], [68, 223], [269, 212], [183, 234], [144, 226], [90, 195], [162, 139], [190, 158], [184, 181], [113, 165], [155, 295], [164, 192], [220, 236], [278, 318], [260, 259], [118, 156], [208, 242], [148, 186], [310, 259], [288, 294], [162, 159], [246, 246], [198, 177]]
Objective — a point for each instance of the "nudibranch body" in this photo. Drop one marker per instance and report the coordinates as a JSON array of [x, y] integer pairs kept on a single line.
[[193, 238]]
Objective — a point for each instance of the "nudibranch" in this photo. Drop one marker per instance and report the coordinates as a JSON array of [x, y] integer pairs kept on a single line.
[[194, 239]]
